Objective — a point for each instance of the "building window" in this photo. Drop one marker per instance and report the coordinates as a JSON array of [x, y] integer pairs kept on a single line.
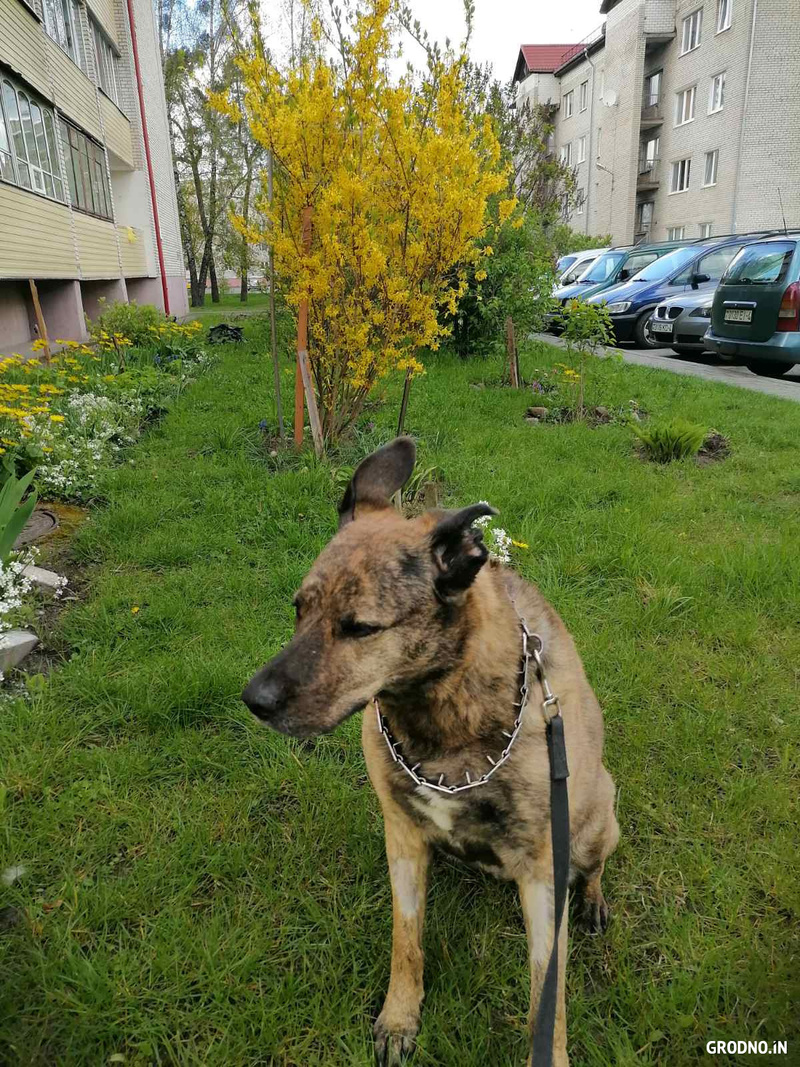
[[566, 155], [580, 201], [645, 217], [705, 229], [584, 95], [710, 172], [681, 173], [724, 13], [582, 149], [569, 103], [107, 59], [692, 28], [684, 105], [86, 172], [652, 89], [716, 95], [676, 233], [28, 150]]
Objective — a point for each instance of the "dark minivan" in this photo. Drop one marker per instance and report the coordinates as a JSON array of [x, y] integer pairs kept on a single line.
[[756, 311]]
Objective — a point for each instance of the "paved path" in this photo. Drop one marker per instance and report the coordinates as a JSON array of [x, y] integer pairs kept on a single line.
[[704, 366]]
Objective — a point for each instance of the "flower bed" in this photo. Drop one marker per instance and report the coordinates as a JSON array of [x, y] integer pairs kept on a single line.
[[70, 417]]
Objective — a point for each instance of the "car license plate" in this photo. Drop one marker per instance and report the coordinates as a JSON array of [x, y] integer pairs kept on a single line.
[[738, 314], [660, 327]]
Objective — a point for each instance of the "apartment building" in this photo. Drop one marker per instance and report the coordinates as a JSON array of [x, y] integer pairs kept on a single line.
[[679, 117], [87, 195]]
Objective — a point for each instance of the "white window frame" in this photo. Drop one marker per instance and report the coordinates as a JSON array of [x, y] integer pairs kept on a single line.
[[724, 15], [106, 60], [566, 154], [33, 161], [583, 97], [581, 149], [714, 97], [681, 169], [685, 106], [676, 233], [658, 77], [711, 157], [569, 104], [705, 230], [692, 31], [580, 202]]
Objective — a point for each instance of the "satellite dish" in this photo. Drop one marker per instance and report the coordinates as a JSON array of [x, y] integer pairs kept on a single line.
[[610, 98]]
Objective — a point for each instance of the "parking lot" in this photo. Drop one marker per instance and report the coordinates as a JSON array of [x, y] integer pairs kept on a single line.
[[706, 366]]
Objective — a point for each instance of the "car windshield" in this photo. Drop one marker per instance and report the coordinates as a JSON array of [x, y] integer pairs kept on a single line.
[[602, 268], [662, 268], [762, 264], [565, 263]]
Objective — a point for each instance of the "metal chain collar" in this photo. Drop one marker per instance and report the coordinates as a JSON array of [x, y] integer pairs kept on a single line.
[[532, 648]]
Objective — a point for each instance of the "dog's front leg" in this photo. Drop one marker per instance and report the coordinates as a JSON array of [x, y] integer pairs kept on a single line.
[[536, 894], [408, 854]]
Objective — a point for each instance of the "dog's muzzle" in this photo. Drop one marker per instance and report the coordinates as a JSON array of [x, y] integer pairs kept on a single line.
[[265, 697]]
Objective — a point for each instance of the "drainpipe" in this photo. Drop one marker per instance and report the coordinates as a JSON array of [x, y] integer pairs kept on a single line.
[[744, 117], [590, 154], [146, 139]]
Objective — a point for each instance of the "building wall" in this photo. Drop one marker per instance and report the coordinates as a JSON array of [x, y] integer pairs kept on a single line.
[[43, 239], [757, 132], [770, 143]]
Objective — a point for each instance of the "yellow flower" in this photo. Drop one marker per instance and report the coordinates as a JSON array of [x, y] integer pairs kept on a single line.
[[135, 610], [520, 544], [56, 418]]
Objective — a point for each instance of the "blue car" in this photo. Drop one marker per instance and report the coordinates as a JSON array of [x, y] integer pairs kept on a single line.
[[691, 268]]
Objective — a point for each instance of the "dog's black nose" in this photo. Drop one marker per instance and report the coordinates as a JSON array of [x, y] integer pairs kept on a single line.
[[264, 696]]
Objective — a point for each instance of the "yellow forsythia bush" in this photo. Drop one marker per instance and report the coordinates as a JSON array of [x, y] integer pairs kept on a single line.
[[397, 174]]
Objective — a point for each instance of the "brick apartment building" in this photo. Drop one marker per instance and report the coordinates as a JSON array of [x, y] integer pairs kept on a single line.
[[681, 118], [87, 196]]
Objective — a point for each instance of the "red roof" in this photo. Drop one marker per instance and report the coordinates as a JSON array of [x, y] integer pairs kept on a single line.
[[545, 58]]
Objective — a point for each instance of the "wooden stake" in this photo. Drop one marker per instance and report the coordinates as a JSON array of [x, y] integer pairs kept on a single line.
[[404, 402], [311, 400], [276, 369], [302, 343], [37, 307], [511, 349]]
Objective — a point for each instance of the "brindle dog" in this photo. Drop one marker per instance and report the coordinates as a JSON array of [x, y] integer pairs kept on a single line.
[[411, 612]]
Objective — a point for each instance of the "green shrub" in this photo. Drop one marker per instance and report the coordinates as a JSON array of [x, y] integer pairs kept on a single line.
[[134, 321], [665, 441]]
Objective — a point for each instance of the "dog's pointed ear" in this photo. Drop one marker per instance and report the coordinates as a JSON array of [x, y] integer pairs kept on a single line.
[[377, 479], [458, 549]]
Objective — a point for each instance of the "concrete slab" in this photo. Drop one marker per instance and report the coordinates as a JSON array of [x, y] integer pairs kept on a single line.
[[48, 580], [15, 646]]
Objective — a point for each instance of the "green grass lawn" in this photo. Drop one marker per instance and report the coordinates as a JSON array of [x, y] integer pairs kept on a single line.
[[231, 304], [202, 891]]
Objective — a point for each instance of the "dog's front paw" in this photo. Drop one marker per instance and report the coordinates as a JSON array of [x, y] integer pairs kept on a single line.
[[394, 1039], [595, 916]]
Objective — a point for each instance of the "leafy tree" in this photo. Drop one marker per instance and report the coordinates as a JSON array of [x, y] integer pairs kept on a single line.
[[397, 175], [587, 330]]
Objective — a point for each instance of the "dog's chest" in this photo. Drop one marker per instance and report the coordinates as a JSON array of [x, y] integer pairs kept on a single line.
[[476, 829]]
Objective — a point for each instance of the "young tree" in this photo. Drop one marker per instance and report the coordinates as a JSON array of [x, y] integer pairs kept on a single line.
[[397, 176]]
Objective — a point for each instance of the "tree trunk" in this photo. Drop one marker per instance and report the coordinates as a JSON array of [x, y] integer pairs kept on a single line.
[[212, 273]]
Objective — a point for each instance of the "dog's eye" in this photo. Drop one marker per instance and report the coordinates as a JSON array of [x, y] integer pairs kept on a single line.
[[350, 627]]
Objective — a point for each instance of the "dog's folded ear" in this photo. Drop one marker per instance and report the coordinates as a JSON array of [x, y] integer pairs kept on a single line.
[[377, 479], [458, 549]]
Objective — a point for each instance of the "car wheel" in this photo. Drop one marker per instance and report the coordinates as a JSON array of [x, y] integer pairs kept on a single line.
[[769, 368], [644, 338]]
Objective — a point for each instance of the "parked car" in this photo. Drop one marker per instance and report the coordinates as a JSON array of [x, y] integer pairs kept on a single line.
[[756, 310], [579, 262], [687, 269], [614, 266], [682, 321]]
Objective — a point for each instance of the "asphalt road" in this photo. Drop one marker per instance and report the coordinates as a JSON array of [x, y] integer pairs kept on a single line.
[[706, 366]]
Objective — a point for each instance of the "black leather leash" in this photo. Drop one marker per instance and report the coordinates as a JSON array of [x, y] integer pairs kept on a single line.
[[542, 1055]]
